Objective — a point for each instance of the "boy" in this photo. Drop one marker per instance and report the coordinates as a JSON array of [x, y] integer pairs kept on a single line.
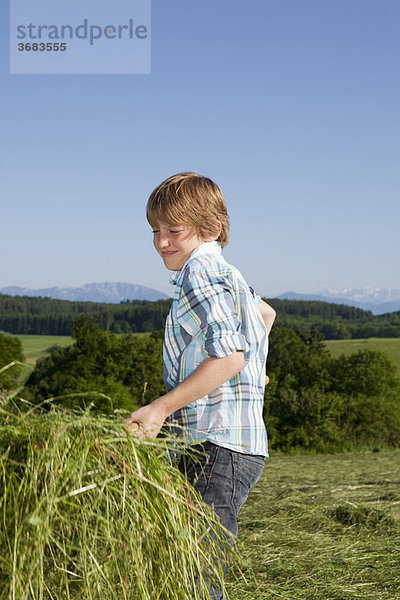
[[215, 347]]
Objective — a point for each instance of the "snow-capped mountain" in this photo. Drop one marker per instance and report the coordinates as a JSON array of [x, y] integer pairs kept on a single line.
[[366, 294], [92, 292], [377, 300]]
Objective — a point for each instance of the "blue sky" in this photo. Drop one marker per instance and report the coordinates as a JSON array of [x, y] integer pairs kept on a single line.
[[291, 106]]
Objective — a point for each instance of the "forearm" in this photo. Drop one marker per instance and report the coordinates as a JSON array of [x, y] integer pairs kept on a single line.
[[208, 376], [268, 314]]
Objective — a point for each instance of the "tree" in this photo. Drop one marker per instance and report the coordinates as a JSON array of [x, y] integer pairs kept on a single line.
[[321, 403], [368, 372], [10, 352], [127, 369]]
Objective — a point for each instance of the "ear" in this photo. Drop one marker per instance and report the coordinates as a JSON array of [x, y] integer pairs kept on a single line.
[[217, 233]]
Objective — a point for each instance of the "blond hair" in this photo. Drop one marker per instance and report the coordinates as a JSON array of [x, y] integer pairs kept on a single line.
[[190, 199]]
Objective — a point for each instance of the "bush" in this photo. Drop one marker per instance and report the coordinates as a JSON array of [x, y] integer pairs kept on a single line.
[[125, 370], [323, 404], [368, 372]]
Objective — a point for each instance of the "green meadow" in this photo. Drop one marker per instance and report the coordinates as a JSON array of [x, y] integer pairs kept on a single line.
[[315, 527], [321, 527], [391, 346], [324, 527], [38, 346]]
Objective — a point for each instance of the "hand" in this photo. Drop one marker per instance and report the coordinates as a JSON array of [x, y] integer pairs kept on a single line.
[[207, 377], [149, 419]]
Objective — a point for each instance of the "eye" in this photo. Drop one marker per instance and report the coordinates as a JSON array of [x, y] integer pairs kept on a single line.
[[155, 231]]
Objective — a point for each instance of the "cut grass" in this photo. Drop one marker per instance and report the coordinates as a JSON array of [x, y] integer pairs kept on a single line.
[[88, 512], [322, 528], [391, 346]]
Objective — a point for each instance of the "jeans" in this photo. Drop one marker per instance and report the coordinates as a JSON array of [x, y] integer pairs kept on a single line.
[[223, 478]]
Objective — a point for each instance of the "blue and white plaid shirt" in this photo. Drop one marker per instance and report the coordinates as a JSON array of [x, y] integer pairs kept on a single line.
[[213, 314]]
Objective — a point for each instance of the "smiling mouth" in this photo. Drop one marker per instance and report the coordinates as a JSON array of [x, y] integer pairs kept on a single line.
[[169, 253]]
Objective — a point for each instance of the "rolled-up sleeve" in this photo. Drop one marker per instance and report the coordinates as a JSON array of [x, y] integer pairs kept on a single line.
[[207, 310]]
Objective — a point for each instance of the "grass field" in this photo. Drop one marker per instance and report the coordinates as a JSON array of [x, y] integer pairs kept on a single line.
[[316, 527], [322, 527], [389, 345], [37, 346]]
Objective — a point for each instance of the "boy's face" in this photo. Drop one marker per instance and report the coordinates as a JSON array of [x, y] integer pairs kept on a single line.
[[175, 243]]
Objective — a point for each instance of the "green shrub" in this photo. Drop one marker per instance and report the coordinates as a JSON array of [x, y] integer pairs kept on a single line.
[[126, 368]]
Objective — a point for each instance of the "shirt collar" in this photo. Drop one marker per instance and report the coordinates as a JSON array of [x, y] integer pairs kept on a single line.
[[204, 248]]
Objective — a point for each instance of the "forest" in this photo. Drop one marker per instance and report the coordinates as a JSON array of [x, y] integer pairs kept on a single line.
[[45, 316]]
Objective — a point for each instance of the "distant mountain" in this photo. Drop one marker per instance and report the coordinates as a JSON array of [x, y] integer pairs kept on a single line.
[[112, 293], [365, 294], [377, 300]]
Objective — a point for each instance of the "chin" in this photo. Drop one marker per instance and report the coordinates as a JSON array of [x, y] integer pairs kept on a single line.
[[172, 267]]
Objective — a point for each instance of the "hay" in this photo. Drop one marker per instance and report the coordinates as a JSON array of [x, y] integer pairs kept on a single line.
[[88, 512]]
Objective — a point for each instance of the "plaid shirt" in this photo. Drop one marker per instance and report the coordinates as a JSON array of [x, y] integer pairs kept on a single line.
[[213, 314]]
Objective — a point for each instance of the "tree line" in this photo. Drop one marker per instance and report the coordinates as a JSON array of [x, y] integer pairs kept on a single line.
[[46, 316], [335, 321]]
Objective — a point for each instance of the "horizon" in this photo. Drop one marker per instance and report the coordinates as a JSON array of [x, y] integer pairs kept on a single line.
[[367, 296], [292, 108], [166, 289]]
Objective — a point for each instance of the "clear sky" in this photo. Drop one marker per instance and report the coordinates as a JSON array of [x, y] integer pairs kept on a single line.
[[291, 106]]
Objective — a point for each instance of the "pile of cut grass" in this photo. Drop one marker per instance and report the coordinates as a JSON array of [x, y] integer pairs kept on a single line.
[[88, 512]]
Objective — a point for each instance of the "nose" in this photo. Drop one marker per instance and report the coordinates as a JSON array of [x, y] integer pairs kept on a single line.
[[161, 241]]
